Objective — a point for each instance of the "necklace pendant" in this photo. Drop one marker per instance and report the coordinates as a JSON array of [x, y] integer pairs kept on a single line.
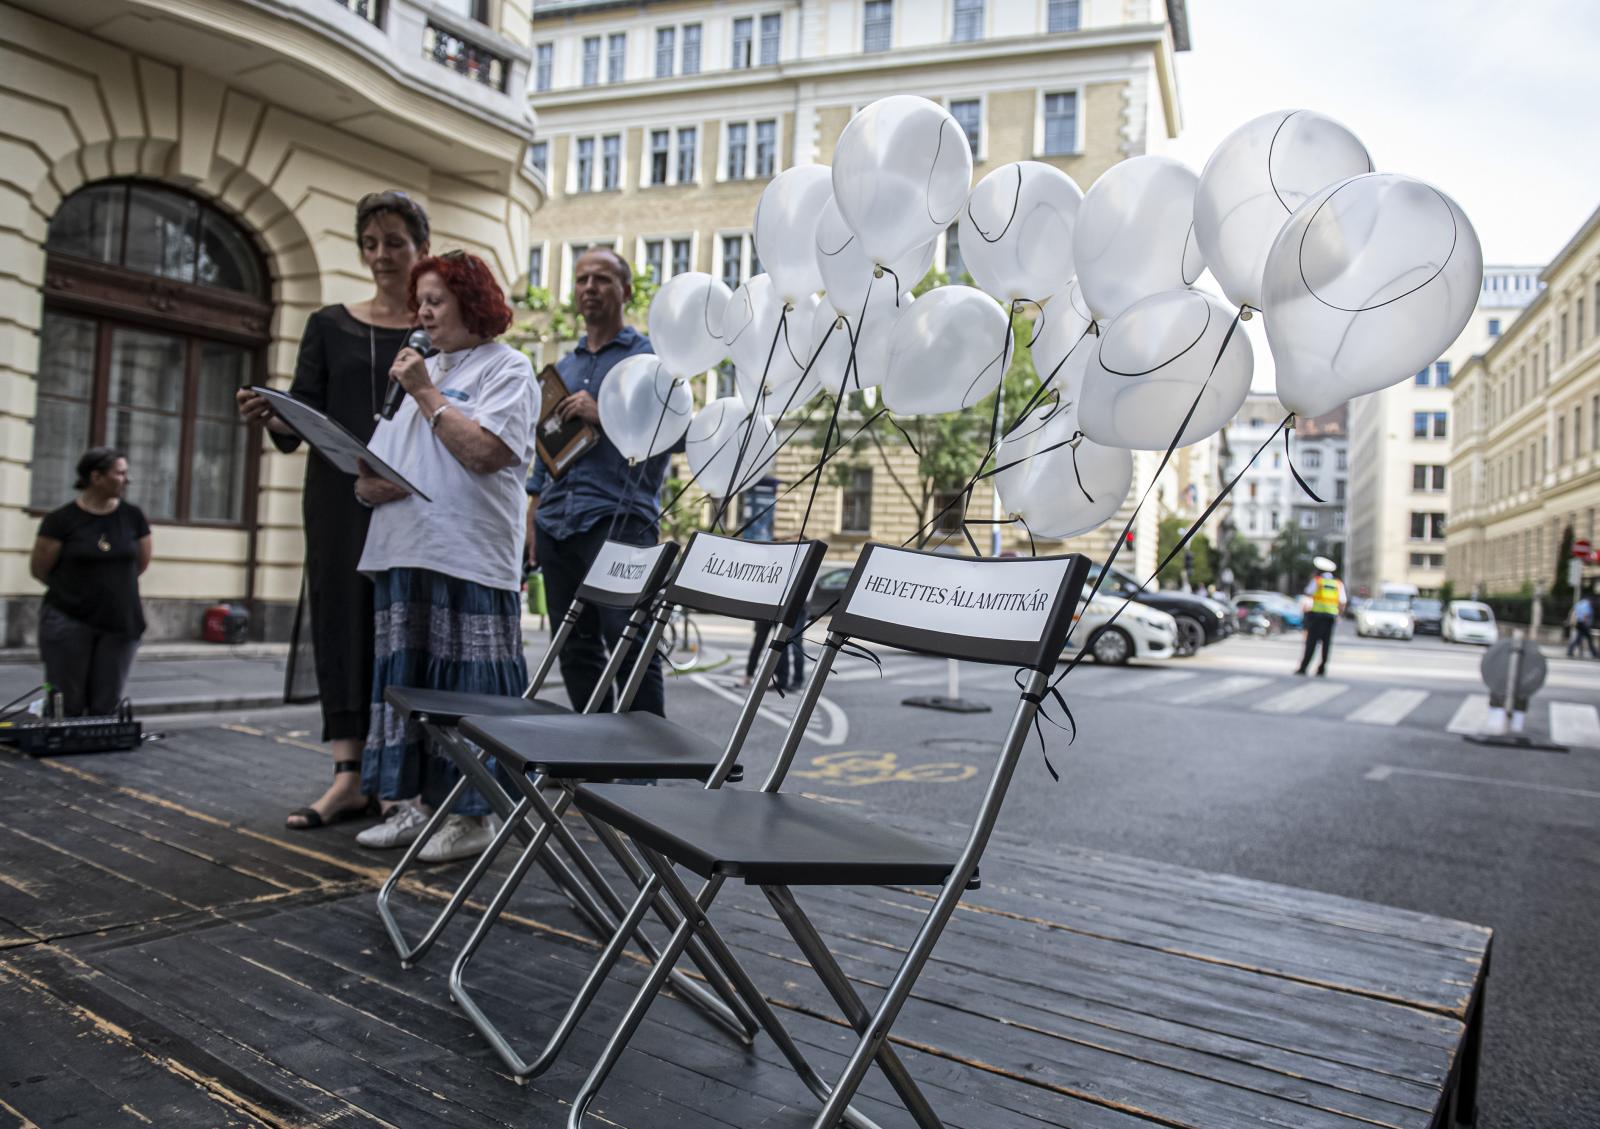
[[104, 545]]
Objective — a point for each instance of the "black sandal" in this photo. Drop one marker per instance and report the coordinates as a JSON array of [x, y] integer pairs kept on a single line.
[[313, 818]]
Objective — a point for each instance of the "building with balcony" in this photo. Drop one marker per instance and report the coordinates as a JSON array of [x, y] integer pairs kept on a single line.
[[660, 124], [1401, 443], [179, 192], [1527, 460]]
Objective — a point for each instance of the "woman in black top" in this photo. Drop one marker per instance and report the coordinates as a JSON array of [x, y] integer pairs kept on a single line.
[[89, 555], [343, 371]]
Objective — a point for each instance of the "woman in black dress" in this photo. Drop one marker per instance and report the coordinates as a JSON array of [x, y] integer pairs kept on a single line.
[[343, 370]]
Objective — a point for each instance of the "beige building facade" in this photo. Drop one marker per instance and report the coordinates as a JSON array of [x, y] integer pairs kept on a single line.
[[1527, 459], [177, 193], [661, 123], [1402, 444]]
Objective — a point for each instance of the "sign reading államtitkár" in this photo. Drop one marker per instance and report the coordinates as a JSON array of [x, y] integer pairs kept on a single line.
[[1008, 599], [755, 572], [624, 569]]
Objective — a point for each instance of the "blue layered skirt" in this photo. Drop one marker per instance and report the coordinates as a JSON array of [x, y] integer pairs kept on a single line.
[[441, 633]]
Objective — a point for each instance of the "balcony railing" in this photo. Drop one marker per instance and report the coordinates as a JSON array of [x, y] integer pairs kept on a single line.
[[464, 57], [369, 10]]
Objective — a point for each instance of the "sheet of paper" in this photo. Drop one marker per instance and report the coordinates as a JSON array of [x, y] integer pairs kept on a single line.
[[330, 439]]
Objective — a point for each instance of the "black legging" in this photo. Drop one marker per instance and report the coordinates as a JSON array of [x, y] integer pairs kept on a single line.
[[1319, 629]]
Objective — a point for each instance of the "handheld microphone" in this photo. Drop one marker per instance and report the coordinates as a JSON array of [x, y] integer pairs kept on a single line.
[[396, 392]]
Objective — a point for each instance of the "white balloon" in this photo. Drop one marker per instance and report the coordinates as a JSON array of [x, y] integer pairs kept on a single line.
[[719, 434], [1370, 280], [1016, 240], [1061, 488], [1135, 234], [1261, 173], [644, 408], [946, 352], [686, 322], [901, 172], [786, 229], [769, 346], [832, 350], [1062, 330], [1150, 365], [848, 275]]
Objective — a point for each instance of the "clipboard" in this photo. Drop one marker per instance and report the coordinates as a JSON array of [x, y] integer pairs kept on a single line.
[[559, 444], [331, 439]]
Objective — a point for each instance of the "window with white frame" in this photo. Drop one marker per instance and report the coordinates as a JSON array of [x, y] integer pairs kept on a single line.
[[688, 158], [666, 50], [591, 60], [660, 167], [877, 25], [611, 162], [736, 258], [966, 18], [766, 148], [1060, 124], [583, 165], [743, 37], [654, 253], [543, 65], [617, 57], [1308, 519], [1427, 477], [771, 38], [691, 49], [682, 255], [1427, 527], [539, 157], [536, 265], [1312, 459], [1063, 15], [968, 113], [738, 150]]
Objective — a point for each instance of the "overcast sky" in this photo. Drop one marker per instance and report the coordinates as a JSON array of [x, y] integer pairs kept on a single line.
[[1498, 104]]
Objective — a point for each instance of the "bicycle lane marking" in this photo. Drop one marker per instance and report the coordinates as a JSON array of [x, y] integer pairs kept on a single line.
[[838, 726]]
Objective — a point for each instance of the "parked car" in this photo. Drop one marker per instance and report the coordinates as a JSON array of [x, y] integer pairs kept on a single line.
[[1467, 621], [1200, 619], [1427, 615], [1285, 610], [1140, 632], [831, 582], [1387, 619]]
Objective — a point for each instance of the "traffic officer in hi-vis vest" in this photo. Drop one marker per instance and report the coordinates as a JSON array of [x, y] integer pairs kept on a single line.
[[1327, 603]]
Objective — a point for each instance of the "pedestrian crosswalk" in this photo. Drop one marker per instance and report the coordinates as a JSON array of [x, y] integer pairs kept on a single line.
[[1368, 703]]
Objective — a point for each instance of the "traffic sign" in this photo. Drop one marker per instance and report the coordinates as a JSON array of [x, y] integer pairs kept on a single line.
[[1582, 549]]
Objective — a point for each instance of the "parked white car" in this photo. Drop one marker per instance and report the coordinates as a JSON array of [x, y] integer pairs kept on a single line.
[[1141, 632], [1387, 619], [1467, 621]]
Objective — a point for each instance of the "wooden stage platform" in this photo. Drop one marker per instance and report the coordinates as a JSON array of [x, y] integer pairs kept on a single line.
[[170, 956]]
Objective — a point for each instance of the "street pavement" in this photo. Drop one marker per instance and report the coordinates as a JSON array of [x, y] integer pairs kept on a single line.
[[1358, 784]]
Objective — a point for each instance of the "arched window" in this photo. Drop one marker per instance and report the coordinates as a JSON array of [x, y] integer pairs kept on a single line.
[[156, 311]]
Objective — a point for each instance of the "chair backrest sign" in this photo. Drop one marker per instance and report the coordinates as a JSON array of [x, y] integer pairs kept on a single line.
[[1008, 610], [625, 575], [765, 580]]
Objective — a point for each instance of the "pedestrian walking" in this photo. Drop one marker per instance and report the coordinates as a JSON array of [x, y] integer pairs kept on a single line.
[[1327, 603], [1583, 628]]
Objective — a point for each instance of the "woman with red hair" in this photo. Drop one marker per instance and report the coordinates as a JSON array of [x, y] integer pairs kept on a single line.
[[446, 572]]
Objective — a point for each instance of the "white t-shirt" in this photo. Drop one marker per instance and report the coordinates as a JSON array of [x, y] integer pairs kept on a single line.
[[474, 527]]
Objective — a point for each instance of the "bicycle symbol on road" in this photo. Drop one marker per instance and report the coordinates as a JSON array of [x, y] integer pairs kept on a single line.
[[854, 769]]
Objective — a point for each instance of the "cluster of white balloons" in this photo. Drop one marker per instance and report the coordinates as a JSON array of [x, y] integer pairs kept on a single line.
[[1360, 277]]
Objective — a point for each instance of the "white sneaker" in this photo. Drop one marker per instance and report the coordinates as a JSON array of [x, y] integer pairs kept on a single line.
[[403, 825], [461, 837]]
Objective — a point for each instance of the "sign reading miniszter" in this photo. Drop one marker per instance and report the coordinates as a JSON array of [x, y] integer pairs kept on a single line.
[[624, 569], [752, 572], [977, 599]]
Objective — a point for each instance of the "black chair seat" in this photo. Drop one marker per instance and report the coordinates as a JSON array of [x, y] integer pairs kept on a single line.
[[597, 746], [767, 838], [448, 707]]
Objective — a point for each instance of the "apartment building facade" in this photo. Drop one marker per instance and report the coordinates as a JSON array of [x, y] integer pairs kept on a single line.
[[662, 122], [180, 186], [1527, 458], [1402, 441]]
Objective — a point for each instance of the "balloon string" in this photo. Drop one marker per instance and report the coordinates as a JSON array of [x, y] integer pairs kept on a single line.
[[844, 379], [635, 476], [1288, 456], [744, 445], [787, 404], [814, 472], [1016, 202], [1076, 473]]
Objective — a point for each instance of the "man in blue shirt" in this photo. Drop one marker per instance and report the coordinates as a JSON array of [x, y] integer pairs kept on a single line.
[[600, 495]]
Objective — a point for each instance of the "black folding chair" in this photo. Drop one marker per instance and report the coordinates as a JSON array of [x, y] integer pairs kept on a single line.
[[623, 576], [1012, 612], [757, 581]]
